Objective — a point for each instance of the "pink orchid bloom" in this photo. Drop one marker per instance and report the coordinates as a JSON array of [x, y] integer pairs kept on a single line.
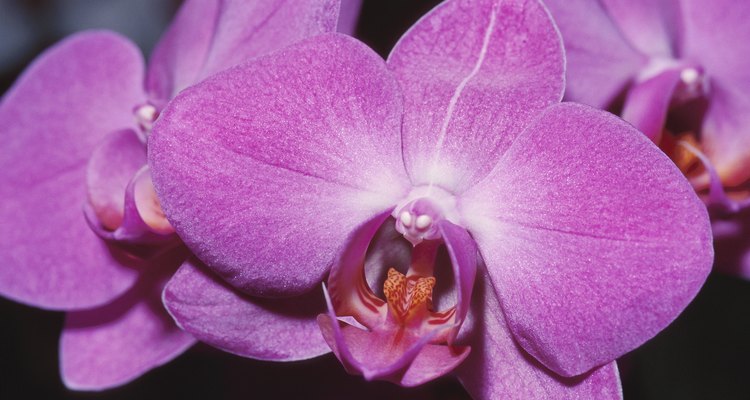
[[680, 66], [76, 127], [464, 220]]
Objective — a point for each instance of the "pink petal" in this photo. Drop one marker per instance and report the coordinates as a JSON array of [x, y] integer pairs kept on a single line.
[[600, 61], [309, 148], [52, 119], [463, 253], [116, 343], [647, 103], [373, 354], [498, 368], [278, 330], [651, 26], [711, 38], [208, 36], [592, 237], [473, 76], [349, 16], [724, 134], [110, 168]]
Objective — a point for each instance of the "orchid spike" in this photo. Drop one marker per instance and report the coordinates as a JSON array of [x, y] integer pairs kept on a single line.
[[83, 227], [463, 220], [679, 66]]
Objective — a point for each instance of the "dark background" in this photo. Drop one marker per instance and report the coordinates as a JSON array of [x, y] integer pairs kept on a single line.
[[705, 354]]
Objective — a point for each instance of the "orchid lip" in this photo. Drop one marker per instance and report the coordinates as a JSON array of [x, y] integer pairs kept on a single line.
[[403, 321]]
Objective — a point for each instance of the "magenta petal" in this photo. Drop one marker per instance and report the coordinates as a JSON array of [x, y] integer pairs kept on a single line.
[[725, 134], [711, 39], [732, 244], [208, 36], [647, 103], [110, 168], [52, 119], [266, 329], [650, 26], [277, 181], [374, 355], [600, 62], [116, 343], [463, 253], [349, 16], [592, 237], [498, 368], [144, 207], [473, 76]]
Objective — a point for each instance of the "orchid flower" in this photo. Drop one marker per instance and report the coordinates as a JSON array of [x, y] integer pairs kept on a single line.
[[76, 127], [462, 218], [680, 67]]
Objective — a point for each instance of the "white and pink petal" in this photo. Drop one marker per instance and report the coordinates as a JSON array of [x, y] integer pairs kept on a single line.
[[593, 239], [208, 36], [265, 329], [279, 159], [474, 74], [52, 119], [111, 345]]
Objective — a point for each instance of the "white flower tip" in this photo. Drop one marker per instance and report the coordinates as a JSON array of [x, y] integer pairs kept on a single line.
[[689, 75], [406, 218], [423, 221], [146, 113]]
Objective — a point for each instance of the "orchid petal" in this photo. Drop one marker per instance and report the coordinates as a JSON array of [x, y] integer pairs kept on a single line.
[[498, 368], [732, 244], [473, 76], [649, 25], [463, 252], [348, 16], [412, 363], [725, 134], [146, 204], [600, 62], [208, 36], [594, 242], [52, 119], [111, 345], [711, 38], [721, 23], [717, 198], [647, 103], [110, 168], [290, 161], [277, 330]]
